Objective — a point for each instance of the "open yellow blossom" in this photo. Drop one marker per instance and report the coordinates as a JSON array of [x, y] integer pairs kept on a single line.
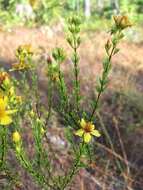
[[24, 50], [122, 21], [20, 66], [23, 53], [16, 137], [5, 118], [87, 130]]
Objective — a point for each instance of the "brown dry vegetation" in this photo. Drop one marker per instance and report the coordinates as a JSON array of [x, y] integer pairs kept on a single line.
[[121, 111]]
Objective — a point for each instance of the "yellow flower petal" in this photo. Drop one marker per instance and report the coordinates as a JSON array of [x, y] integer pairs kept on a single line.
[[87, 137], [5, 100], [95, 133], [5, 120], [79, 132], [92, 127], [2, 104], [82, 123]]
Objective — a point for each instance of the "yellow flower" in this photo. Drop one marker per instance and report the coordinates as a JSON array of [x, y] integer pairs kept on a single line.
[[24, 50], [87, 130], [5, 118], [20, 66], [122, 21], [16, 137]]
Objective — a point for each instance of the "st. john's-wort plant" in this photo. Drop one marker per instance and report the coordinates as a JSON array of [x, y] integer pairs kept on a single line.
[[81, 128]]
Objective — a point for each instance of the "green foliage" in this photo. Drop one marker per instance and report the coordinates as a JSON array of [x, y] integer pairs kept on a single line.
[[46, 11]]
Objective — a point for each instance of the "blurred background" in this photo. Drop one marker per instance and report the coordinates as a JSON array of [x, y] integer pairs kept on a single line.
[[118, 156]]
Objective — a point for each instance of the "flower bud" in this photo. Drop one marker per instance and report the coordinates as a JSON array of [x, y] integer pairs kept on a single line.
[[42, 131], [38, 120], [4, 77], [59, 54], [16, 137], [108, 46], [32, 113], [49, 60]]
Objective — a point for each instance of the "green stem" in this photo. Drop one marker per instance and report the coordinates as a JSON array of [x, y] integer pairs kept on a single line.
[[39, 149], [77, 98], [39, 152], [39, 178], [50, 100], [4, 144], [96, 103], [63, 92], [74, 169], [102, 84]]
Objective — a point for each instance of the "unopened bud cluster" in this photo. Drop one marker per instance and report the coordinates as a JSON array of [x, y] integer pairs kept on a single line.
[[74, 28], [59, 55]]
